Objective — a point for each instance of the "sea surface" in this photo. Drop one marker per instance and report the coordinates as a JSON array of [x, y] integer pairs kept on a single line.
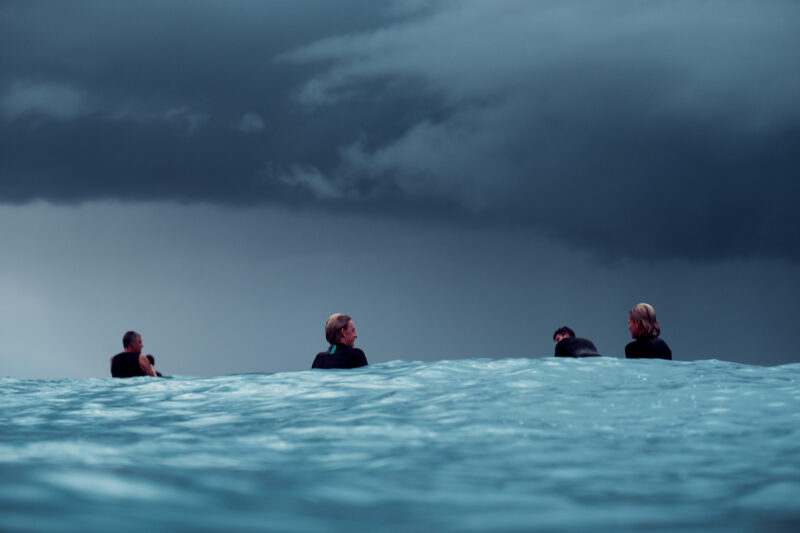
[[470, 445]]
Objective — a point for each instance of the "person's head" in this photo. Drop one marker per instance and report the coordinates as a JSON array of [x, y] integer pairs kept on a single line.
[[642, 321], [563, 333], [132, 341], [339, 329]]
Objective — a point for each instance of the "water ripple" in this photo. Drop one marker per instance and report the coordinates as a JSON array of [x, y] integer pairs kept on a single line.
[[468, 445]]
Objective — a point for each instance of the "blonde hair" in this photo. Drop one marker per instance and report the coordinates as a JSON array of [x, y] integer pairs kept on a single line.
[[334, 325], [645, 315]]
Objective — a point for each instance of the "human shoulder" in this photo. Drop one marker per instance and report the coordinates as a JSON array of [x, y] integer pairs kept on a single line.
[[358, 357], [575, 347], [633, 349], [648, 347], [663, 348], [351, 351], [318, 359], [352, 357], [340, 356], [120, 358], [125, 365]]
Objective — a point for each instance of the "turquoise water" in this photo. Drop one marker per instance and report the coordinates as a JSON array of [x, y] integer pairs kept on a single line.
[[469, 445]]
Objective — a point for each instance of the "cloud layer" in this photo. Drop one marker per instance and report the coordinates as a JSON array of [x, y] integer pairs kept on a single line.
[[645, 129]]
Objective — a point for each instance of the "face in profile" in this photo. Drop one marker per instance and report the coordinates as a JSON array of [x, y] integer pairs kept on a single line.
[[136, 344], [560, 336], [348, 335], [634, 327]]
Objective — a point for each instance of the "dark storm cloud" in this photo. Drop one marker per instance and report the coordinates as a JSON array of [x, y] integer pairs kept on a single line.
[[646, 129]]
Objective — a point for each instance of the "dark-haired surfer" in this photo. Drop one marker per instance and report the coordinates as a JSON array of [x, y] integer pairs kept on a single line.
[[568, 345]]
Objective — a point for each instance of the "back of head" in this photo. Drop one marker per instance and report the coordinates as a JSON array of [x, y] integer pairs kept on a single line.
[[564, 331], [128, 338], [645, 315], [333, 325]]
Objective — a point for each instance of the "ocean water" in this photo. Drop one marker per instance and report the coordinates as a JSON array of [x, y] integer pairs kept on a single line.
[[470, 445]]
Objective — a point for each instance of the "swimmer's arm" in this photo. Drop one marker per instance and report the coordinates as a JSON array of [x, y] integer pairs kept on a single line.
[[146, 367]]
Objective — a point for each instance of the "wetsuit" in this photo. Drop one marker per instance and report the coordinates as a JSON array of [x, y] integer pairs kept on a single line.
[[126, 365], [340, 356], [575, 347], [648, 347]]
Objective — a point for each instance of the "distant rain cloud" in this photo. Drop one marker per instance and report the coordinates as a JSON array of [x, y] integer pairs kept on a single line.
[[643, 129], [56, 100], [185, 117], [251, 123], [312, 180]]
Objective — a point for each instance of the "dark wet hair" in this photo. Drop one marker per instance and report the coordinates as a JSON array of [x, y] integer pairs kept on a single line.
[[128, 338], [562, 330]]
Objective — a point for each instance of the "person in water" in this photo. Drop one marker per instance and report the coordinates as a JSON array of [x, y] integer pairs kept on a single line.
[[130, 362], [341, 334], [563, 333], [568, 345], [153, 364], [644, 328]]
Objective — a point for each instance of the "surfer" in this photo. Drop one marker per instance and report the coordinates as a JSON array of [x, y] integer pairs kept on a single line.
[[644, 328], [341, 334], [568, 345], [153, 364], [130, 362]]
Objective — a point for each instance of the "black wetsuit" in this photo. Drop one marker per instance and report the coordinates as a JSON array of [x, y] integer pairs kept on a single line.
[[648, 347], [126, 365], [575, 347], [340, 356]]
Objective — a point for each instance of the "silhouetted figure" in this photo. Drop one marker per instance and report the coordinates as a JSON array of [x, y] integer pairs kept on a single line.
[[341, 334], [644, 328]]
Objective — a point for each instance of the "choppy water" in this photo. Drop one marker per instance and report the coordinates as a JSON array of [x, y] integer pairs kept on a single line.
[[470, 445]]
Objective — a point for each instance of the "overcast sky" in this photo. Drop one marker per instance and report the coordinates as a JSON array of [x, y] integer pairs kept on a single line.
[[462, 177]]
